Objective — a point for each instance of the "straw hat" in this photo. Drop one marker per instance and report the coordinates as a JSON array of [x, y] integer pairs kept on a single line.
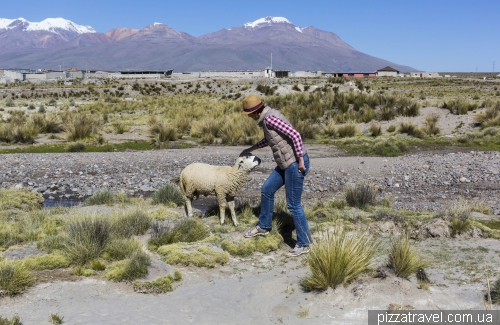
[[252, 103]]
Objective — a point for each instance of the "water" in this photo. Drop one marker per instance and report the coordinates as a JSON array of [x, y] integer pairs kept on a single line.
[[47, 203]]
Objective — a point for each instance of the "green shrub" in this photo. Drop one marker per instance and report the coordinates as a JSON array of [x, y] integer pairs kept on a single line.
[[46, 262], [20, 199], [459, 215], [75, 147], [55, 319], [130, 269], [160, 285], [402, 259], [391, 128], [121, 248], [390, 147], [135, 222], [360, 195], [99, 198], [87, 239], [338, 258], [188, 230], [246, 248], [203, 257], [9, 103], [15, 278], [168, 194], [13, 321]]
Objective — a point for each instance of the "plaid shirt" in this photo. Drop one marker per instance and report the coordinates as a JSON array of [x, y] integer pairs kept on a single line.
[[278, 124]]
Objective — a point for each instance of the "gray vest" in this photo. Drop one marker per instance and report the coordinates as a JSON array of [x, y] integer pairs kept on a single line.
[[281, 145]]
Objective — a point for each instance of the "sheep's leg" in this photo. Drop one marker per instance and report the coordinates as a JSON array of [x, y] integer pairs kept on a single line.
[[188, 207], [222, 207], [230, 203]]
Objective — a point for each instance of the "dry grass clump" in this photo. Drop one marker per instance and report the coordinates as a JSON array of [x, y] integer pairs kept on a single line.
[[431, 127], [130, 223], [204, 256], [459, 215], [87, 238], [490, 117], [168, 194], [347, 130], [80, 126], [20, 199], [120, 248], [55, 319], [120, 128], [160, 285], [187, 231], [263, 244], [402, 259], [132, 268], [15, 278], [338, 258], [13, 321], [162, 131], [329, 129], [459, 106], [410, 129], [375, 130], [106, 197], [360, 195]]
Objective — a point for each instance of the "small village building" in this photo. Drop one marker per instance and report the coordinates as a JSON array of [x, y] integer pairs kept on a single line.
[[282, 73], [55, 75], [387, 72], [33, 77], [424, 75]]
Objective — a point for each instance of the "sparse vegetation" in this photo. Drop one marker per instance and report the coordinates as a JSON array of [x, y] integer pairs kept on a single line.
[[168, 194], [338, 258], [402, 258]]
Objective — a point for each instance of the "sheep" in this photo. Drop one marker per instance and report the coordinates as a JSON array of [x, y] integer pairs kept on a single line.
[[221, 181]]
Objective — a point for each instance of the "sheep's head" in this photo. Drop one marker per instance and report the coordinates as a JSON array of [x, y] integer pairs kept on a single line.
[[247, 162]]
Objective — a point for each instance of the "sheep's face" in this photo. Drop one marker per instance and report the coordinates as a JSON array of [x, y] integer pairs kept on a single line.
[[247, 162]]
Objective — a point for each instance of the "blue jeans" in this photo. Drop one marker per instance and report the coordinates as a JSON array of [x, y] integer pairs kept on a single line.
[[294, 182]]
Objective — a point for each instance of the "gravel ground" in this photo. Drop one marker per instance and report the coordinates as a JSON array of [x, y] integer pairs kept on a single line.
[[425, 181]]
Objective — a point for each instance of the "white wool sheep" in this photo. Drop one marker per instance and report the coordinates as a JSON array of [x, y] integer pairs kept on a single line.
[[221, 181]]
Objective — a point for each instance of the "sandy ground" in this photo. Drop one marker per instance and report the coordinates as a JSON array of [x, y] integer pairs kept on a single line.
[[265, 288]]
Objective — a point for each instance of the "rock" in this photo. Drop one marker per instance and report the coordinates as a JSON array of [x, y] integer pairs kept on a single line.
[[438, 228]]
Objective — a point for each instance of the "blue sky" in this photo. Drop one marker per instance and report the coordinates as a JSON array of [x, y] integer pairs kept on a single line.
[[439, 35]]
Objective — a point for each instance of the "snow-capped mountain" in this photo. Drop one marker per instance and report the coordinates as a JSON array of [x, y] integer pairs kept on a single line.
[[54, 25], [158, 46], [47, 33]]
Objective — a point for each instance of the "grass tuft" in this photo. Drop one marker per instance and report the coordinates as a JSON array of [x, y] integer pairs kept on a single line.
[[15, 278], [360, 195], [338, 258], [160, 285], [187, 231], [87, 239], [402, 259], [130, 269], [168, 194]]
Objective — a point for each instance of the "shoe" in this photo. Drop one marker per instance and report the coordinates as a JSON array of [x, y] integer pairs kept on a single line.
[[297, 251], [260, 232]]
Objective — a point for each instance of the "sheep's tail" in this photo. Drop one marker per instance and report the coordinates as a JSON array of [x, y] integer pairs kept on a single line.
[[181, 184]]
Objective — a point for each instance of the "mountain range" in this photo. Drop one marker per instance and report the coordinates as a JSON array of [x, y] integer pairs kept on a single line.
[[57, 41]]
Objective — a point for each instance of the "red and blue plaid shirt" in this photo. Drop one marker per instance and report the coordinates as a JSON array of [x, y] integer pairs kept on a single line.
[[278, 124]]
